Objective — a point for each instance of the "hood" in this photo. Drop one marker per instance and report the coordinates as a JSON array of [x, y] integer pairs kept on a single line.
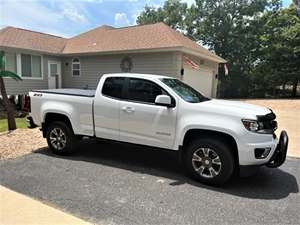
[[235, 108]]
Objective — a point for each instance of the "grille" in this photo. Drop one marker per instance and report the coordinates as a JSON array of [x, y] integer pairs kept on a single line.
[[268, 117], [268, 121]]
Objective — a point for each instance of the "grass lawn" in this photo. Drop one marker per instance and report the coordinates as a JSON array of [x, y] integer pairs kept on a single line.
[[21, 123]]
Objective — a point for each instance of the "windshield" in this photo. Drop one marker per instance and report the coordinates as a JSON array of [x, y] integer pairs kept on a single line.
[[186, 92]]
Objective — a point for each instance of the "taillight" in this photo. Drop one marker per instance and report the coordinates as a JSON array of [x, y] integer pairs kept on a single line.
[[27, 104]]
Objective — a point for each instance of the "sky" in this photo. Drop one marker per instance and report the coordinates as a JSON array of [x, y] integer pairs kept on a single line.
[[68, 18]]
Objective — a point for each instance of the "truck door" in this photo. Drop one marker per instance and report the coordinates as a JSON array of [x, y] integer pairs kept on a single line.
[[143, 122], [106, 108]]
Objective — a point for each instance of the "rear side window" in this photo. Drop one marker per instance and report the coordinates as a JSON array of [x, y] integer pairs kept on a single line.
[[113, 87], [143, 90]]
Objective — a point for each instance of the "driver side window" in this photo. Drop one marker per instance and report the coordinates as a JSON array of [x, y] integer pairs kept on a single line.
[[140, 90]]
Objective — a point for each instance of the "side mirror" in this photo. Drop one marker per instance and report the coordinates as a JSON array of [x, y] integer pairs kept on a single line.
[[163, 100]]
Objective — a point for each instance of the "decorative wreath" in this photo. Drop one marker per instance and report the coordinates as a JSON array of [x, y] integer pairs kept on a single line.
[[126, 64]]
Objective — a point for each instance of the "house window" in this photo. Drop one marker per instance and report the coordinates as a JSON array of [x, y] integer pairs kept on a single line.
[[11, 62], [31, 66], [75, 67]]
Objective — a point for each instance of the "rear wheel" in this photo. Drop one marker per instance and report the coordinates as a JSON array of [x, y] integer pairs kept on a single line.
[[209, 161], [60, 137]]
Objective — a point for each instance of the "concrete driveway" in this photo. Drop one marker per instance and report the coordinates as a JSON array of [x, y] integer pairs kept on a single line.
[[117, 184]]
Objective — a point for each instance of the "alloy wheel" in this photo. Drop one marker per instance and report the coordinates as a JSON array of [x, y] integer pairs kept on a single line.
[[206, 162], [58, 138]]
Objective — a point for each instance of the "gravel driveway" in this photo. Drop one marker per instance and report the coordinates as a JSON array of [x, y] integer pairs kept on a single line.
[[20, 142], [114, 184]]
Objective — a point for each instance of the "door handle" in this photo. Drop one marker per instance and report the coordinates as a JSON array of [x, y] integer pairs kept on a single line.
[[128, 109]]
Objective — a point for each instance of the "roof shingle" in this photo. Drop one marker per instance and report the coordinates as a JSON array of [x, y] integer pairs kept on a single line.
[[31, 40], [104, 39]]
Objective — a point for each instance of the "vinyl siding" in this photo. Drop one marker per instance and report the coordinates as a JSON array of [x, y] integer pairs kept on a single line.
[[93, 67], [23, 87]]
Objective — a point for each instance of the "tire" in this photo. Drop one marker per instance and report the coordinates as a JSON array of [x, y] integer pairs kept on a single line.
[[60, 138], [212, 153]]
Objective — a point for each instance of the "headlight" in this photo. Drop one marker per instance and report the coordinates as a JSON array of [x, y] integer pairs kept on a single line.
[[251, 125], [257, 126]]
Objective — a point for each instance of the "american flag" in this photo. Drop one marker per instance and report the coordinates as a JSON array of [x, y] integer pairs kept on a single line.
[[191, 63], [226, 69]]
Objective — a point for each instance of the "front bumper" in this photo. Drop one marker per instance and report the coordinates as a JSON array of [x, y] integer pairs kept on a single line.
[[276, 159], [249, 142], [279, 155]]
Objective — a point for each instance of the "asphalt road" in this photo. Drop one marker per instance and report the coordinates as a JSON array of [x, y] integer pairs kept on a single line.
[[116, 184]]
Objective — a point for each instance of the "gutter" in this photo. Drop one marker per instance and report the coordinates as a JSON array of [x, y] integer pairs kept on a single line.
[[213, 57]]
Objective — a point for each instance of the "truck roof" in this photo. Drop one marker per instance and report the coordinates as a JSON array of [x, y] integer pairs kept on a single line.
[[136, 75]]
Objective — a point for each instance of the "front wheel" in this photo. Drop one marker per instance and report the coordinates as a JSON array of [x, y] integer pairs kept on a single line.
[[209, 161], [60, 137]]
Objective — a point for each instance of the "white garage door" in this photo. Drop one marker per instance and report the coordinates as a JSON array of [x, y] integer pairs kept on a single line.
[[201, 80]]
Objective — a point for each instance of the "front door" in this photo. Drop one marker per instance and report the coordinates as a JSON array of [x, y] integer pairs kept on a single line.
[[54, 74], [143, 122]]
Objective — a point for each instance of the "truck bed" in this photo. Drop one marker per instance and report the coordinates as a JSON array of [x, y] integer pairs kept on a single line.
[[69, 91], [76, 104]]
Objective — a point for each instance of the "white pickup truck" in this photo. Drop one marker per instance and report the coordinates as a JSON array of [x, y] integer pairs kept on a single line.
[[213, 137]]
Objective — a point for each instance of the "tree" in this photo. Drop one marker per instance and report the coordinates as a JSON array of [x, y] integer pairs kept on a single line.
[[227, 27], [297, 4], [279, 57], [150, 15], [172, 13], [7, 105], [230, 29]]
